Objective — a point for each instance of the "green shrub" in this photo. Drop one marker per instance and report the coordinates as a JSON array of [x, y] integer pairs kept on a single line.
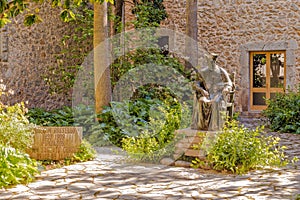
[[81, 115], [239, 150], [157, 140], [283, 112], [56, 117], [15, 129], [131, 117], [16, 167], [123, 119], [85, 153], [144, 148]]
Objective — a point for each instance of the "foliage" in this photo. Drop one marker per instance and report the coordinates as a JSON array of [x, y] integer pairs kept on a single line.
[[15, 138], [76, 46], [15, 129], [64, 116], [123, 119], [141, 57], [239, 150], [85, 153], [148, 13], [56, 117], [12, 8], [16, 167], [131, 117], [283, 112], [145, 148], [157, 140]]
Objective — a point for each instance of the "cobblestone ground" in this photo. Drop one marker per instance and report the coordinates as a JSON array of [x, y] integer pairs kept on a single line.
[[111, 177]]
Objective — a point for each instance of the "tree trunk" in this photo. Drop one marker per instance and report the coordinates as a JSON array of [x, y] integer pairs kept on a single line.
[[191, 47], [101, 58]]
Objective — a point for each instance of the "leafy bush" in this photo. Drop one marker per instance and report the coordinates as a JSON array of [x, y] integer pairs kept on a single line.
[[122, 119], [141, 57], [56, 117], [16, 167], [84, 117], [145, 148], [239, 150], [283, 112], [15, 129], [85, 153], [157, 140], [149, 13]]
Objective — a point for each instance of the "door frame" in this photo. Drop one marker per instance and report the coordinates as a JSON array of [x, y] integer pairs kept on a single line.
[[268, 89]]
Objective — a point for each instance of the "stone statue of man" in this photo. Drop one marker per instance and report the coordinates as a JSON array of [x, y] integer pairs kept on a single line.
[[212, 85]]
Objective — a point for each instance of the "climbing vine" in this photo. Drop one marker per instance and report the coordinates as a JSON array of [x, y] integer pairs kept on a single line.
[[75, 47], [149, 13], [77, 44]]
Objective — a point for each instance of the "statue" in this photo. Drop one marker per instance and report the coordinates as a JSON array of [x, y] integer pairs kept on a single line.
[[212, 86]]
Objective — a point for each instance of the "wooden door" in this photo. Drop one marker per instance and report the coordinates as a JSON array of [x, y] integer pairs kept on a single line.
[[267, 77]]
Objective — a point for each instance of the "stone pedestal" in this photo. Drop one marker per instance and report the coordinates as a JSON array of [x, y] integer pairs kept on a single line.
[[193, 142]]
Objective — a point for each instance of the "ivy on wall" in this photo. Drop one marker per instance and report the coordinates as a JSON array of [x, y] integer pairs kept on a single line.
[[75, 47], [77, 44]]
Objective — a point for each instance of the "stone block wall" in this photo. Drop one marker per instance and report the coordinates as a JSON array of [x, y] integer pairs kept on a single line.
[[233, 28], [28, 54]]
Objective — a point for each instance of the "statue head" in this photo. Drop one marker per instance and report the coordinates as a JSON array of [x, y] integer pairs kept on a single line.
[[214, 57], [211, 60]]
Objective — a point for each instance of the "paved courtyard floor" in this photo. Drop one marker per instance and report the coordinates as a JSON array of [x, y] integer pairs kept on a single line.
[[110, 176]]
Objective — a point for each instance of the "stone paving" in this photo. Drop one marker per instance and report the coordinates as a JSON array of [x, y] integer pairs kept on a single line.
[[111, 176]]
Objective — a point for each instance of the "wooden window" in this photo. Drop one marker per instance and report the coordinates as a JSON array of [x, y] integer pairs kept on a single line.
[[267, 77]]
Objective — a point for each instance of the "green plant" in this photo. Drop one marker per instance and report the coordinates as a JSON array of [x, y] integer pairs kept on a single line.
[[80, 115], [144, 148], [15, 129], [149, 13], [140, 57], [16, 167], [283, 112], [75, 47], [157, 139], [56, 117], [84, 153], [122, 119], [238, 149]]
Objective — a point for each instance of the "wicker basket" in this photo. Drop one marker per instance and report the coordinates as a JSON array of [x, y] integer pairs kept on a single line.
[[55, 143]]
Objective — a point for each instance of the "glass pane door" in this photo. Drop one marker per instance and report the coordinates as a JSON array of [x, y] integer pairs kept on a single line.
[[267, 72]]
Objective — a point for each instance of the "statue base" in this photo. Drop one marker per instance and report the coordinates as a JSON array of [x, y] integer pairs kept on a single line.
[[193, 143]]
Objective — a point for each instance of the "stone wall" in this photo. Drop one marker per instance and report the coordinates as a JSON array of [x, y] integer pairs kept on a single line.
[[27, 56], [233, 28]]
